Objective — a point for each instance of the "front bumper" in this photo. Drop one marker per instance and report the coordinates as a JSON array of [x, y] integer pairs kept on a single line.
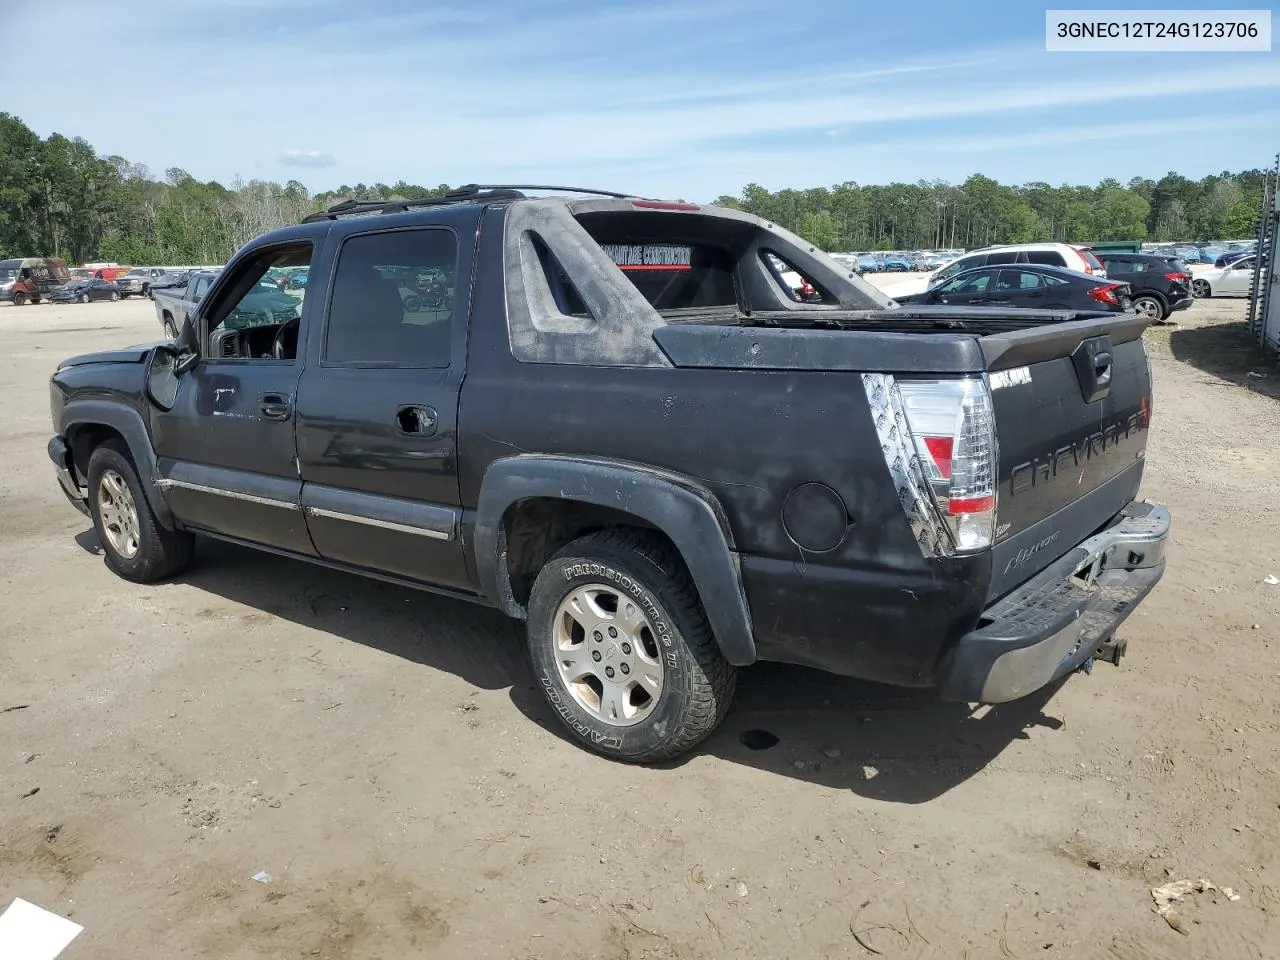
[[61, 457], [1064, 616]]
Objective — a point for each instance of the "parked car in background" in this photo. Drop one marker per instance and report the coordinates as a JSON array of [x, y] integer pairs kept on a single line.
[[1047, 254], [27, 279], [1028, 286], [137, 282], [1232, 280], [266, 303], [1159, 285], [168, 281], [896, 263], [868, 264], [82, 291], [1228, 258]]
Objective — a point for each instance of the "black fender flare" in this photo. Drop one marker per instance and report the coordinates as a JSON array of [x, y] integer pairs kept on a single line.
[[686, 511], [129, 424]]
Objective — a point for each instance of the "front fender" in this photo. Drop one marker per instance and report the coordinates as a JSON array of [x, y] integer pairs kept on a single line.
[[686, 511], [130, 425]]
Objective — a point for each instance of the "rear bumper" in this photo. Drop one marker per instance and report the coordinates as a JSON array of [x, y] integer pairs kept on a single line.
[[1181, 304], [61, 457], [1057, 621]]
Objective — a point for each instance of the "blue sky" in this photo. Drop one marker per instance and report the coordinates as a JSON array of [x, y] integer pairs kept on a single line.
[[690, 99]]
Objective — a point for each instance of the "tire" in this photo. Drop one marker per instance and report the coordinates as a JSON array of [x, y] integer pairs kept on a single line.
[[170, 331], [671, 643], [84, 298], [19, 299], [1150, 307], [1201, 288], [134, 544], [114, 296]]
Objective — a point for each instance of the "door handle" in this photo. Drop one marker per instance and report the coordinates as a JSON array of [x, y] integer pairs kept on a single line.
[[275, 406], [416, 421]]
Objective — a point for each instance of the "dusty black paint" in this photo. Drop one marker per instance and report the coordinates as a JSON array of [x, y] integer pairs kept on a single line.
[[700, 431]]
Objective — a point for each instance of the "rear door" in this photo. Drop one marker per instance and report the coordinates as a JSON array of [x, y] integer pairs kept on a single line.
[[378, 405], [1018, 288]]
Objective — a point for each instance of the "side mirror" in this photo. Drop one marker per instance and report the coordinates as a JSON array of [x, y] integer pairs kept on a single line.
[[163, 375]]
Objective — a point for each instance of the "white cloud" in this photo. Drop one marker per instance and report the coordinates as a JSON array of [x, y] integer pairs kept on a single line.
[[308, 158]]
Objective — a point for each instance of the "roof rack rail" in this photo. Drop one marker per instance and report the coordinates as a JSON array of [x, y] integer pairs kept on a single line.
[[463, 194]]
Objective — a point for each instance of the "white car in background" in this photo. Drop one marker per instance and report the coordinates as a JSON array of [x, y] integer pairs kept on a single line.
[[1065, 255], [1233, 280]]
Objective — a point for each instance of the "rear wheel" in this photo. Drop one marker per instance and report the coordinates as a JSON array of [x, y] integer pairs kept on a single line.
[[1201, 288], [622, 650], [1149, 307], [114, 296], [134, 544]]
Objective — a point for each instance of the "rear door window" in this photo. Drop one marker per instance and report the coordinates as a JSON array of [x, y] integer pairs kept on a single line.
[[1018, 280], [393, 297], [1003, 256], [1050, 258]]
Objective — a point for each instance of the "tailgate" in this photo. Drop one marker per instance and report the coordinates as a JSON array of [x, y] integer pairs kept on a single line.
[[1072, 405]]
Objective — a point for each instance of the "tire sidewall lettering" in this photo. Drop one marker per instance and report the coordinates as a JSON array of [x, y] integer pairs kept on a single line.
[[593, 570]]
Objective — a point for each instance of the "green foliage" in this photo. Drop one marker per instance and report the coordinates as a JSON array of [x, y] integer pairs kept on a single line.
[[59, 198]]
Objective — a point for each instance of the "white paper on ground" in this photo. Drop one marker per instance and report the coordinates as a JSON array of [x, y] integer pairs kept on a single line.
[[28, 932]]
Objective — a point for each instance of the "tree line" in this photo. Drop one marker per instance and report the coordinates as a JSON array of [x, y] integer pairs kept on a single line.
[[58, 197]]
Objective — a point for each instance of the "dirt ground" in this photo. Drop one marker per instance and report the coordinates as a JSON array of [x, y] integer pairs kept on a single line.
[[381, 754]]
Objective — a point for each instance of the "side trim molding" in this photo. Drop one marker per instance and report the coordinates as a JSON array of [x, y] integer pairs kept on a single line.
[[375, 522], [167, 483]]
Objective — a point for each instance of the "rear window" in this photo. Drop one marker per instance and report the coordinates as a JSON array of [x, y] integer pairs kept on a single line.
[[677, 276], [1091, 260]]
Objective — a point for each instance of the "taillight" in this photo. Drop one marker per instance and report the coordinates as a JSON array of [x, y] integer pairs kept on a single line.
[[1106, 294], [1176, 277], [948, 457]]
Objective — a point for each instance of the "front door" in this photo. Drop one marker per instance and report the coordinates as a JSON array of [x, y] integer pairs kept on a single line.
[[378, 408], [1237, 280], [226, 452]]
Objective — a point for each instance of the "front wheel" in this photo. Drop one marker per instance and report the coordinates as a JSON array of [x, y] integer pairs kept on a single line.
[[622, 650], [19, 299], [134, 543], [114, 296], [170, 331], [84, 298]]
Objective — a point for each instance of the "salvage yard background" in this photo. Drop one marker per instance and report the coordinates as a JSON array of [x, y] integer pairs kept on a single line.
[[380, 754]]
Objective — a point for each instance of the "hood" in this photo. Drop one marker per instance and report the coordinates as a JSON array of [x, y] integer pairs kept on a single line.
[[136, 354]]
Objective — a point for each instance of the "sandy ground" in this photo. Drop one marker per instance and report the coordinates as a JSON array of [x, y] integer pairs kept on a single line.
[[380, 753]]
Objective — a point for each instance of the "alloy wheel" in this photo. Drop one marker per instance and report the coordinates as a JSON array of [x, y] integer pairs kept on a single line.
[[1147, 307], [607, 653], [119, 514]]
